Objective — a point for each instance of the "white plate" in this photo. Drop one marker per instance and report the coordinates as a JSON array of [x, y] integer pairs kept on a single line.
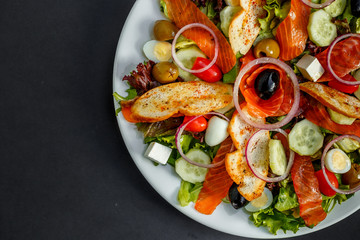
[[136, 31]]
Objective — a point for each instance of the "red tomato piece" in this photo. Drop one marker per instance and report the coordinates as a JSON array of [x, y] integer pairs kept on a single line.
[[323, 184], [344, 87], [198, 125], [213, 74]]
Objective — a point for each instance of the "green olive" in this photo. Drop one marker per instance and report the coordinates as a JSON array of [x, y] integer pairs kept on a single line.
[[164, 30], [267, 48], [165, 72]]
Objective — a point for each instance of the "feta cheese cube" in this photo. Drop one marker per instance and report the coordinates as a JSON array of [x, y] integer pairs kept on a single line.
[[158, 153], [310, 67]]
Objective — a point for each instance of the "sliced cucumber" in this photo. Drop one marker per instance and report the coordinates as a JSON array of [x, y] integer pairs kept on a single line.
[[336, 8], [320, 28], [188, 56], [305, 138], [340, 118], [277, 157], [189, 172], [226, 16]]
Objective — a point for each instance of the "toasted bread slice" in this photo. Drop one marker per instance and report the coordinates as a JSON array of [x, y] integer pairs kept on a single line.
[[333, 99], [245, 27], [240, 131], [186, 98], [250, 186]]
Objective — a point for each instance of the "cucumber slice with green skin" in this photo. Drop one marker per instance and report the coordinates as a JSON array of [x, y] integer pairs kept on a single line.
[[188, 56], [336, 8], [277, 157], [320, 28], [189, 172], [305, 138]]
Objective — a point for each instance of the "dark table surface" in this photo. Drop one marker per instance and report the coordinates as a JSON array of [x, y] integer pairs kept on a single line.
[[65, 172]]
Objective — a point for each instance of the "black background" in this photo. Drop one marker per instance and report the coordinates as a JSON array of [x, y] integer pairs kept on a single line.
[[65, 172]]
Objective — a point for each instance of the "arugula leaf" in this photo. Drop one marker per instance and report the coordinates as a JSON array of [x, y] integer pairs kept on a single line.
[[131, 95]]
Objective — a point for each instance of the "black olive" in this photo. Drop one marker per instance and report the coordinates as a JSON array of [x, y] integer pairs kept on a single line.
[[355, 8], [266, 83], [236, 199]]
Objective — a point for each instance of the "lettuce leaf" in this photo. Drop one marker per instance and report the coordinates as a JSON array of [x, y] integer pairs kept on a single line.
[[275, 220], [188, 192], [287, 199], [163, 8], [230, 76], [169, 141], [276, 11], [347, 12]]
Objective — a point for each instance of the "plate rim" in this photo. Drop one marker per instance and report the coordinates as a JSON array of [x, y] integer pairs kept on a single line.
[[179, 208]]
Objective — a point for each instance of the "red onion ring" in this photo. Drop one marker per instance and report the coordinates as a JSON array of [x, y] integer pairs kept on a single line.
[[328, 58], [326, 149], [173, 49], [317, 5], [178, 134], [255, 171], [294, 107]]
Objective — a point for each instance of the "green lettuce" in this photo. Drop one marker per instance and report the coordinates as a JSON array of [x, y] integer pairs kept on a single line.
[[276, 11], [209, 10], [275, 220], [287, 199], [230, 76], [163, 8], [188, 192], [185, 141], [329, 203], [347, 12], [356, 25]]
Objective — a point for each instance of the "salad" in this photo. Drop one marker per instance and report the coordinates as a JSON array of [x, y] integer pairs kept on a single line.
[[254, 104]]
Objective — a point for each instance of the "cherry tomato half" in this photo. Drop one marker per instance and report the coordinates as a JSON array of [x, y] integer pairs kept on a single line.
[[343, 87], [213, 74], [198, 125], [323, 184]]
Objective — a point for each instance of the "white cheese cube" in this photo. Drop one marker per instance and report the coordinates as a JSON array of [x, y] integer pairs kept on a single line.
[[158, 153], [310, 67]]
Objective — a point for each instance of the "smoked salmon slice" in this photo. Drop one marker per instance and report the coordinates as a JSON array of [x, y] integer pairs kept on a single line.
[[291, 33], [184, 12], [345, 57], [317, 114], [279, 104], [307, 190], [217, 182]]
